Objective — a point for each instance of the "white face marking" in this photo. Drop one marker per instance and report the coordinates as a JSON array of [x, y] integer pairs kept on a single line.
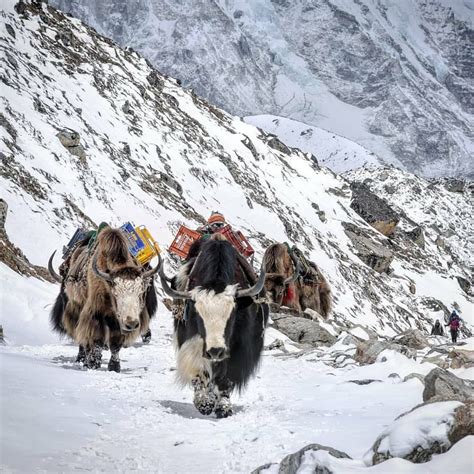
[[215, 310], [129, 297]]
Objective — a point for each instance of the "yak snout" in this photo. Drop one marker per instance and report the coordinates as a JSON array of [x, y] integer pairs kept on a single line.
[[131, 324], [216, 353]]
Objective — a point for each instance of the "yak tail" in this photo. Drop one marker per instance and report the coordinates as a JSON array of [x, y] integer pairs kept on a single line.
[[56, 315], [151, 301], [325, 298]]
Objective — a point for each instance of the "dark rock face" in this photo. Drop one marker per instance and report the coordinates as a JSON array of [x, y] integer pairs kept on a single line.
[[373, 209], [302, 330], [417, 236], [291, 463], [443, 385], [372, 253], [3, 213]]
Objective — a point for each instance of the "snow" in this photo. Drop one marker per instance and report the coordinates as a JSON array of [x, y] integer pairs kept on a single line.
[[141, 419], [423, 427]]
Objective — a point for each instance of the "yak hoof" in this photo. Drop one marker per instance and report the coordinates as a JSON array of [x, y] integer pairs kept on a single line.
[[205, 402], [114, 366], [93, 358], [223, 408], [81, 355], [146, 338], [204, 397]]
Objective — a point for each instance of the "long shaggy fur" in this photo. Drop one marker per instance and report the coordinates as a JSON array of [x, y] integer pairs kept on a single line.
[[215, 269], [312, 291]]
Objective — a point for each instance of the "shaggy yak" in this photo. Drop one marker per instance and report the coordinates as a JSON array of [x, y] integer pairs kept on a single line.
[[220, 338], [105, 301], [287, 285]]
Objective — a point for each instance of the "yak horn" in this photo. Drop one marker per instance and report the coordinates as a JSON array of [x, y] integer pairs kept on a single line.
[[255, 289], [175, 294], [52, 272], [296, 273], [105, 276], [150, 273]]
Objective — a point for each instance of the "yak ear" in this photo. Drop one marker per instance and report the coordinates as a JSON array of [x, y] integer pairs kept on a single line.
[[243, 302]]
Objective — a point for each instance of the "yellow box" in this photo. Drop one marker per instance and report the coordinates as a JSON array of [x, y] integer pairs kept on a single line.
[[146, 254]]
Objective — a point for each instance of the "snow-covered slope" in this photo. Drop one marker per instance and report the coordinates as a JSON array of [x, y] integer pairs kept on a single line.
[[331, 150], [158, 155], [391, 76]]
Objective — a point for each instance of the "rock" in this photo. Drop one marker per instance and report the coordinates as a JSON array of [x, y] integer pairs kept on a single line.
[[461, 358], [440, 242], [374, 210], [368, 351], [412, 288], [303, 331], [465, 285], [454, 185], [155, 80], [278, 145], [71, 141], [417, 236], [443, 385], [413, 338], [10, 30], [292, 463], [428, 429], [276, 344], [363, 381], [373, 254], [127, 108], [414, 375], [2, 338], [3, 213]]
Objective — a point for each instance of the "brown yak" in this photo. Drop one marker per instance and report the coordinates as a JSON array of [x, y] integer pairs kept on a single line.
[[289, 285], [106, 299]]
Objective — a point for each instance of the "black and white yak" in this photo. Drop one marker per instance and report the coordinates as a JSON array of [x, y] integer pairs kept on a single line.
[[220, 338]]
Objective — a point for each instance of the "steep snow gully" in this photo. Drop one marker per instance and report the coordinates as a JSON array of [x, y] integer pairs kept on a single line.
[[90, 132]]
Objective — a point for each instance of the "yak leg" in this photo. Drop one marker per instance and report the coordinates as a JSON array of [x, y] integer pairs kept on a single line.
[[93, 358], [81, 355], [146, 338], [116, 343], [223, 389], [204, 396]]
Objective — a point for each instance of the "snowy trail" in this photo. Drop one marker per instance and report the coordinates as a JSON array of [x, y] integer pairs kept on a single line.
[[65, 419]]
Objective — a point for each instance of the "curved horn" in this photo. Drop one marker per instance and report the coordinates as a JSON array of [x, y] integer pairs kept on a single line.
[[100, 274], [175, 294], [255, 289], [52, 272], [296, 273], [150, 273]]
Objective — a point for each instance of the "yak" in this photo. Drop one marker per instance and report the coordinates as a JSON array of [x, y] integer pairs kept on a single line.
[[220, 338], [289, 285], [106, 299]]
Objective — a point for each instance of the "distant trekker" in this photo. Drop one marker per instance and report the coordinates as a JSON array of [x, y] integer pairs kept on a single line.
[[437, 329], [454, 323]]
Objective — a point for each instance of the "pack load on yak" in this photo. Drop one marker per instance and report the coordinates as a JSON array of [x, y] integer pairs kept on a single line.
[[216, 224]]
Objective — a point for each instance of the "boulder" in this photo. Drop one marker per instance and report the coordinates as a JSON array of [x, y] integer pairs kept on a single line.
[[292, 463], [414, 375], [428, 429], [413, 338], [71, 141], [443, 385], [372, 253], [374, 210], [461, 358], [303, 330], [417, 236], [368, 351]]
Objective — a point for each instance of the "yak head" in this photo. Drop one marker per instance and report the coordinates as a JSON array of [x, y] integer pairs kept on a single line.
[[127, 287], [215, 298]]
